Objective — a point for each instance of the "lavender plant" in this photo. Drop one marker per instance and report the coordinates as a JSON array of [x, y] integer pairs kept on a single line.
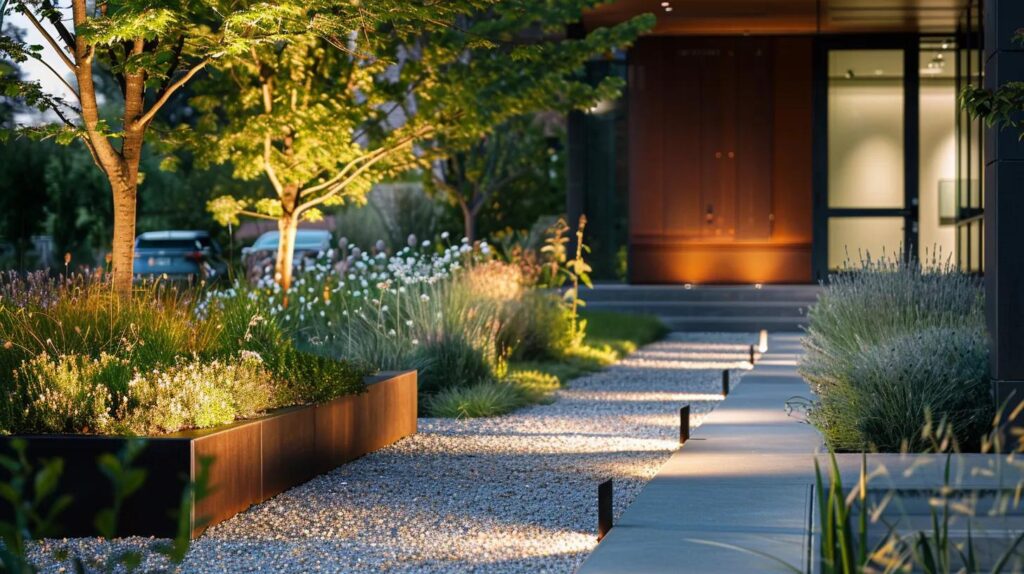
[[891, 344]]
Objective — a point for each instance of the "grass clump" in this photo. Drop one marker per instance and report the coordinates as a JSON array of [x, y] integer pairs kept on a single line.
[[892, 346], [481, 400]]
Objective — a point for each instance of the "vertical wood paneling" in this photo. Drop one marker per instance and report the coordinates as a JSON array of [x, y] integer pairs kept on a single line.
[[753, 99], [646, 94], [682, 213], [755, 114], [792, 144]]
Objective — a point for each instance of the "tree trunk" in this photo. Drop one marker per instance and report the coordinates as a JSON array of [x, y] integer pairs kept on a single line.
[[287, 225], [125, 189], [122, 255], [469, 222]]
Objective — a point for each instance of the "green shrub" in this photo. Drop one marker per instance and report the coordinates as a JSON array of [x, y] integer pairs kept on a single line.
[[451, 361], [893, 345], [540, 328], [883, 396], [480, 400], [313, 378]]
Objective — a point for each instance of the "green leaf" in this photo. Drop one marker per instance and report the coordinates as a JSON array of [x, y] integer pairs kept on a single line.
[[47, 478]]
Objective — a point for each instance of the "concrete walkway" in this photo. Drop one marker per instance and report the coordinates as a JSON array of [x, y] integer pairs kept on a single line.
[[737, 496]]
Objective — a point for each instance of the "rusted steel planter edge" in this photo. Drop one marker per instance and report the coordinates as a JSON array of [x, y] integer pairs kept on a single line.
[[253, 460]]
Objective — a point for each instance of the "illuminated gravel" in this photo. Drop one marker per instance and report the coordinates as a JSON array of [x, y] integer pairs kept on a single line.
[[508, 494]]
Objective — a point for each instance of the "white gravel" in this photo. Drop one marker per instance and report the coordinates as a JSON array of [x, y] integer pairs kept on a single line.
[[515, 493]]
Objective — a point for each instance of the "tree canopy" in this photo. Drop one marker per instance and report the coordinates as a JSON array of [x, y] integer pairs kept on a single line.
[[385, 87]]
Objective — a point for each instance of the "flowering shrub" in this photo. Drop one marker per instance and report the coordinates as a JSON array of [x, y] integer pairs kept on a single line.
[[196, 394], [61, 394], [453, 311], [893, 346], [76, 357]]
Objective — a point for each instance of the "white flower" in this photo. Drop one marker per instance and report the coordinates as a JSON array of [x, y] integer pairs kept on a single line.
[[415, 341], [425, 243], [392, 333], [444, 235], [408, 322], [424, 297]]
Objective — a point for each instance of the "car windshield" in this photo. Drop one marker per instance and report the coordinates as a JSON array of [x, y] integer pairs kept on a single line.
[[179, 244]]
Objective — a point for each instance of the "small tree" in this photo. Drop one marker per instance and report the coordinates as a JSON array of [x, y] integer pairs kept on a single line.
[[386, 85], [473, 179], [153, 48]]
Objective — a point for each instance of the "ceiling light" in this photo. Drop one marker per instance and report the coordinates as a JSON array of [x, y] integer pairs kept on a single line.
[[668, 8]]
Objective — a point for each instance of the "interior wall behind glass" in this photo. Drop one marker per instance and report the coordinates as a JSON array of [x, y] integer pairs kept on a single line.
[[865, 127], [937, 209]]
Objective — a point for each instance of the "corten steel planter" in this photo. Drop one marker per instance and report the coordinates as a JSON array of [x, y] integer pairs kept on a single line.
[[253, 460]]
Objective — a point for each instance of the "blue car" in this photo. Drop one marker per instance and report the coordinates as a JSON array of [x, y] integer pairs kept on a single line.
[[258, 260], [179, 255]]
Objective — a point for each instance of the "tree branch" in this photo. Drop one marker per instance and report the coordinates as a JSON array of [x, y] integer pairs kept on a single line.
[[268, 166], [54, 19], [257, 215], [73, 91], [49, 39], [167, 93], [333, 190]]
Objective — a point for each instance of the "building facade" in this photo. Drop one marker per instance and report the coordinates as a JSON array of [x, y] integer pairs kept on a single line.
[[774, 141]]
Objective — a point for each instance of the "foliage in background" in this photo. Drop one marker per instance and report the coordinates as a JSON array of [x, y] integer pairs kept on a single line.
[[77, 357], [1004, 105], [892, 344], [506, 179], [383, 86]]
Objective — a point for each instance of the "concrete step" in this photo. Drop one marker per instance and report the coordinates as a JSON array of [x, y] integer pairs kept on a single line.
[[734, 324], [722, 293], [796, 310]]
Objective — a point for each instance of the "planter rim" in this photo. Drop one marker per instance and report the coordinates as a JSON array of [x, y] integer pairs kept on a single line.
[[191, 434]]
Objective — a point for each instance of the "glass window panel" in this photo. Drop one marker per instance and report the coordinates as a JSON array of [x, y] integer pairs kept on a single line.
[[852, 239], [975, 246], [963, 253], [865, 129], [938, 159]]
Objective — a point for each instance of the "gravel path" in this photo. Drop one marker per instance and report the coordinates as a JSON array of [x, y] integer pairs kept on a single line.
[[508, 494]]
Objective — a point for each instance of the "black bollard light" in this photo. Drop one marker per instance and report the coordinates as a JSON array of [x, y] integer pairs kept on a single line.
[[604, 509], [752, 357], [684, 424], [725, 383]]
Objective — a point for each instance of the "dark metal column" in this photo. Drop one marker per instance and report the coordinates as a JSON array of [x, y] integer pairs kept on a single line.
[[1004, 209]]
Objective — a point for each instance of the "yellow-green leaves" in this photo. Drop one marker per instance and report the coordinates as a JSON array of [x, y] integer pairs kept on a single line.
[[122, 26]]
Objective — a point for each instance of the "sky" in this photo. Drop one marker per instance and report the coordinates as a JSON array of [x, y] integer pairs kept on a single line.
[[33, 70]]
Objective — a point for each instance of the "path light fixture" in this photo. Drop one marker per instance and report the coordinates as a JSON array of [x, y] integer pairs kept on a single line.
[[753, 356], [604, 509], [762, 344], [684, 424], [725, 383]]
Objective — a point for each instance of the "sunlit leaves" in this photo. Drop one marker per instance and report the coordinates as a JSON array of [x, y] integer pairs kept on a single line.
[[128, 25]]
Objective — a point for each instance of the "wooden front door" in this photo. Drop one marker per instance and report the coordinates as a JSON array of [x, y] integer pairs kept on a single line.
[[703, 151]]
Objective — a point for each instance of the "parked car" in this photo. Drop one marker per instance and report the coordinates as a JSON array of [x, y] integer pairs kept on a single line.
[[258, 259], [180, 255]]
